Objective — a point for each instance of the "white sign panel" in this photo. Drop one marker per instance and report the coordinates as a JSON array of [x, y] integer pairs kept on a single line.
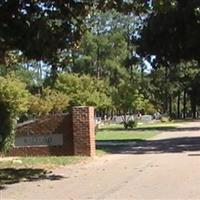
[[39, 140]]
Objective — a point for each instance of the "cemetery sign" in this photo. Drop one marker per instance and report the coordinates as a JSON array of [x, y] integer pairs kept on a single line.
[[39, 140]]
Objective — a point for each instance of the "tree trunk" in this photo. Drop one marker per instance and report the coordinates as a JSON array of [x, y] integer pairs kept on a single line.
[[2, 57], [194, 112], [178, 104], [166, 91], [3, 63], [193, 106], [170, 106], [98, 59], [98, 64], [184, 103], [54, 75]]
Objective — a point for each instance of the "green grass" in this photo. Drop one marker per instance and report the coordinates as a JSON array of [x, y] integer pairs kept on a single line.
[[142, 132], [100, 152], [125, 135], [161, 124], [40, 161]]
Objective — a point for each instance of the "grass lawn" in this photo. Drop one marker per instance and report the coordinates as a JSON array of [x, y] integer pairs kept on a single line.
[[40, 161], [142, 132], [124, 135]]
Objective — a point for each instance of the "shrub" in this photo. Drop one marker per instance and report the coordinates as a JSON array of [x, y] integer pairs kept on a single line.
[[164, 119], [14, 100], [130, 124], [50, 101], [83, 90], [39, 106]]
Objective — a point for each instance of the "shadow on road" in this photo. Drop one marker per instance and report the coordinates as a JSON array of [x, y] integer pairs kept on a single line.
[[13, 175], [171, 145]]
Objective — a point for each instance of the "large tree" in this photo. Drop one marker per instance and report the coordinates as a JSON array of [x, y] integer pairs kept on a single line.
[[171, 31], [39, 28]]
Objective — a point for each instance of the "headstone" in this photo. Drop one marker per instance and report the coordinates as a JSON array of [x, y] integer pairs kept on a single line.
[[146, 118]]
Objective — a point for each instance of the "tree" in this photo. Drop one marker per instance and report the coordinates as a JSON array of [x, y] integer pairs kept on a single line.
[[103, 56], [112, 22], [83, 90], [128, 99], [189, 81], [171, 32], [47, 32], [39, 28], [50, 101]]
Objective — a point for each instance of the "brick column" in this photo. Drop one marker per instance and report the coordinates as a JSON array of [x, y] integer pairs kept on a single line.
[[83, 131]]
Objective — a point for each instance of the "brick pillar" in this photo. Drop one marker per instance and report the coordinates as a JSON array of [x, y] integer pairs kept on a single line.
[[83, 131]]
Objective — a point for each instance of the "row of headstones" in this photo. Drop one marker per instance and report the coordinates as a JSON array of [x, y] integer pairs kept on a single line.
[[119, 119]]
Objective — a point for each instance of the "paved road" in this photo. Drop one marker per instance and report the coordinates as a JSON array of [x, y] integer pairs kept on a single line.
[[166, 167]]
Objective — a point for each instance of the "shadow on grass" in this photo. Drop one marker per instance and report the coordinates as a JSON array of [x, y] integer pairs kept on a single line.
[[171, 145], [115, 141], [162, 128], [12, 176]]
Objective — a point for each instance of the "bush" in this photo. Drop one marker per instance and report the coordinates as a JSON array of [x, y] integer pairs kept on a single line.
[[83, 90], [165, 119], [130, 124], [14, 100], [50, 101]]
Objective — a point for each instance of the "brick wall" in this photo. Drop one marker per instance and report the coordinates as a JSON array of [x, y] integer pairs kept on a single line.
[[77, 129], [83, 131]]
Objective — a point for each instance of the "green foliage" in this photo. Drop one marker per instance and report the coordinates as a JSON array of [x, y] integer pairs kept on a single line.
[[49, 101], [44, 30], [130, 124], [103, 55], [83, 90], [47, 26], [14, 99], [171, 31], [13, 95], [165, 119], [39, 106], [126, 97], [149, 108]]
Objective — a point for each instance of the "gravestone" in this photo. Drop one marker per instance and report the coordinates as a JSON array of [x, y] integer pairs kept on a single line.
[[146, 118]]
